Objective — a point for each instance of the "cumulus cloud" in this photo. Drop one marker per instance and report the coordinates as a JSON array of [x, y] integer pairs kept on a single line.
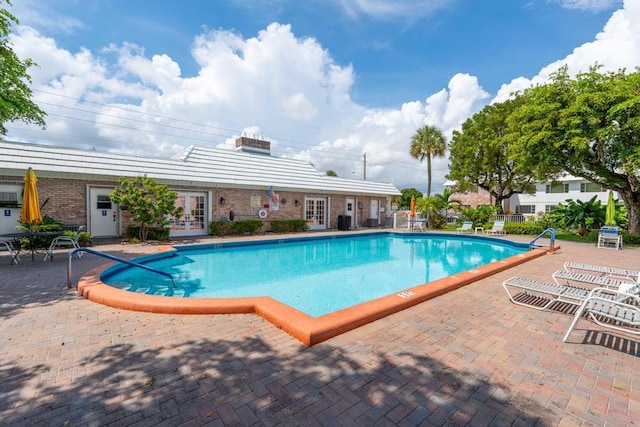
[[617, 46], [285, 88]]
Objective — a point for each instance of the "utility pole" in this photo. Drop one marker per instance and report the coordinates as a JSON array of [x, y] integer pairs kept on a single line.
[[364, 168]]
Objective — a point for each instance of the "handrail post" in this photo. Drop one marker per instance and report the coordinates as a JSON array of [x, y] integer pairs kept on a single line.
[[552, 237], [69, 271]]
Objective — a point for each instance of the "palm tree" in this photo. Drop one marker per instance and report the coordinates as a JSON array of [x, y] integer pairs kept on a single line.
[[428, 142], [446, 201]]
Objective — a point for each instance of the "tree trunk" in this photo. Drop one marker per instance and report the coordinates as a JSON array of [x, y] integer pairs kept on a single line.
[[428, 176], [632, 201], [144, 231]]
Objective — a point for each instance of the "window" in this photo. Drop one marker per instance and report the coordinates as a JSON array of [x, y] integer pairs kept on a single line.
[[549, 208], [590, 187], [8, 199], [104, 202], [526, 209], [557, 188]]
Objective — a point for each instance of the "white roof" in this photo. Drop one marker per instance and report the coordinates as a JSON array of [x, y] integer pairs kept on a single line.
[[195, 166]]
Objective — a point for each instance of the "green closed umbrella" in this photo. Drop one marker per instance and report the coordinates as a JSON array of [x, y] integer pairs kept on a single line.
[[610, 216]]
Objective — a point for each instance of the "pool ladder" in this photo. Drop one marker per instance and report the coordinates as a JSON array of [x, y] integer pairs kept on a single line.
[[113, 258], [552, 236]]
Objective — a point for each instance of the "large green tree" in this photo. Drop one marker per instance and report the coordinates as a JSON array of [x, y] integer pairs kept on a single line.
[[15, 94], [478, 155], [588, 126], [406, 197], [148, 202], [428, 142]]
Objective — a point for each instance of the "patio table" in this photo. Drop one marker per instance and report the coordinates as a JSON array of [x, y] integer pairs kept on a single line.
[[31, 235]]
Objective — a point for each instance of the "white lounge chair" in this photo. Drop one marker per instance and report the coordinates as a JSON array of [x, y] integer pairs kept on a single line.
[[467, 227], [554, 292], [537, 288], [604, 270], [609, 282], [498, 228], [610, 237], [611, 309], [65, 241], [8, 246]]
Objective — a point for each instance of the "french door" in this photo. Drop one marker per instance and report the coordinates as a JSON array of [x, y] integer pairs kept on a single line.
[[316, 213], [193, 220]]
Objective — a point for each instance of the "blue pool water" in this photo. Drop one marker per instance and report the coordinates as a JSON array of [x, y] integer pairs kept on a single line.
[[314, 275]]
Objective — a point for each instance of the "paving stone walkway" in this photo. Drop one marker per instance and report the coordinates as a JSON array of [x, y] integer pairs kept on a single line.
[[469, 357]]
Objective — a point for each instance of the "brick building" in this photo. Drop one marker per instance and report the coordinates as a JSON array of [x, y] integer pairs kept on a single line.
[[74, 187]]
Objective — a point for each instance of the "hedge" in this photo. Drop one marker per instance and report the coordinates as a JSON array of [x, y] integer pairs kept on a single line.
[[288, 225], [528, 228], [228, 228]]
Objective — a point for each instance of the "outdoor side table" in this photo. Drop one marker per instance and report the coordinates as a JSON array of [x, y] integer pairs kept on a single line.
[[480, 229]]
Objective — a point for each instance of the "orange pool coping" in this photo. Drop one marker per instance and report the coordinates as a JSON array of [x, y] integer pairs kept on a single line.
[[310, 330]]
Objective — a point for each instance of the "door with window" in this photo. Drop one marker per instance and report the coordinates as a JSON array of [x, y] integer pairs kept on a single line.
[[103, 215], [374, 212], [350, 211], [193, 221], [316, 213]]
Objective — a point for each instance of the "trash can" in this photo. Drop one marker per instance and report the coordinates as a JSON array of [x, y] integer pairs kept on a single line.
[[344, 222]]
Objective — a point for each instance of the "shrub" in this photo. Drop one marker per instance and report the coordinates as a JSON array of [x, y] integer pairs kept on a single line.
[[627, 238], [226, 228], [479, 216], [528, 228], [154, 233], [288, 225], [436, 221]]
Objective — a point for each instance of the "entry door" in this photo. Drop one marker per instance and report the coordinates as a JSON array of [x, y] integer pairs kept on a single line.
[[316, 213], [374, 211], [350, 210], [103, 213], [193, 221]]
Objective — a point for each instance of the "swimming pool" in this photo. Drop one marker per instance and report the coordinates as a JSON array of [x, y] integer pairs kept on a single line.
[[316, 276], [322, 260]]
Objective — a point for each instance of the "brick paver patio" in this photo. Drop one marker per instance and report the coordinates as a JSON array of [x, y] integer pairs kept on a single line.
[[469, 357]]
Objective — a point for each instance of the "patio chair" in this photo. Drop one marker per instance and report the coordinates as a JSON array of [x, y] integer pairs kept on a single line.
[[556, 293], [467, 227], [610, 309], [604, 270], [610, 237], [418, 225], [609, 282], [498, 228], [8, 246], [64, 241]]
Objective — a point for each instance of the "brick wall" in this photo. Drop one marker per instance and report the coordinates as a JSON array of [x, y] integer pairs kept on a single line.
[[66, 201]]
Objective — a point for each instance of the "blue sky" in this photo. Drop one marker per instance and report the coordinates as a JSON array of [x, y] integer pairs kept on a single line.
[[324, 80]]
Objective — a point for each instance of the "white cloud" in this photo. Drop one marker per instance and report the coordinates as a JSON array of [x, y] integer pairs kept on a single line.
[[590, 5], [285, 88], [393, 9], [616, 46]]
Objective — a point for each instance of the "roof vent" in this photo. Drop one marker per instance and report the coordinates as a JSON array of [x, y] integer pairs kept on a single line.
[[252, 145]]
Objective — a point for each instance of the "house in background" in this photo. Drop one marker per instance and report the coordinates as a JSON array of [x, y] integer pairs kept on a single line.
[[470, 199], [74, 187], [546, 197]]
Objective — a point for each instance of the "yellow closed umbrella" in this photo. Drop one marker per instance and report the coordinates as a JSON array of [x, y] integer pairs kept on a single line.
[[610, 213], [30, 213], [412, 207]]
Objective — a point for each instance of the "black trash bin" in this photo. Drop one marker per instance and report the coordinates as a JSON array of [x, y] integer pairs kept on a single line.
[[344, 222]]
